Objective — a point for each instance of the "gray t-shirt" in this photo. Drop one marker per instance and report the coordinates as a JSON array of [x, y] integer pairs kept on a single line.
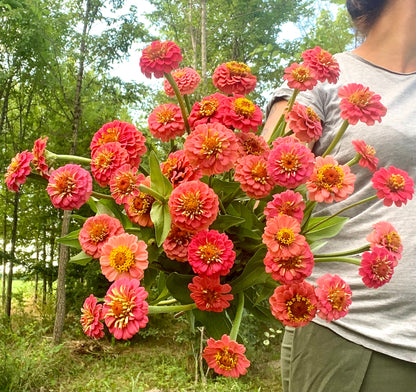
[[382, 319]]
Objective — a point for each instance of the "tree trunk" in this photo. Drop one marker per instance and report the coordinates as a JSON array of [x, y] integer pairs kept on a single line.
[[204, 41], [44, 269], [50, 264], [4, 259], [192, 34]]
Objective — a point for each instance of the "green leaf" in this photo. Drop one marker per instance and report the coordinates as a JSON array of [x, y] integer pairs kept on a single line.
[[71, 239], [81, 258], [224, 222], [162, 221], [177, 285], [227, 190], [111, 208], [216, 324], [325, 230], [158, 181]]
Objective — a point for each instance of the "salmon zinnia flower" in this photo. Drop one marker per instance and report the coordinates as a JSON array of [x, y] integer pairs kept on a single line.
[[367, 153], [39, 160], [69, 187], [125, 309], [286, 203], [234, 78], [226, 357], [90, 319], [334, 297], [166, 122], [251, 144], [177, 169], [210, 253], [160, 58], [358, 103], [209, 294], [322, 63], [393, 186], [139, 205], [300, 77], [330, 181], [176, 243], [96, 231], [206, 111], [304, 122], [124, 183], [18, 170], [124, 256], [187, 80], [386, 236]]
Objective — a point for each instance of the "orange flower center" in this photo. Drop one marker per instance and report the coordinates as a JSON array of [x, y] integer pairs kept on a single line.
[[290, 264], [244, 107], [210, 297], [142, 203], [285, 236], [211, 145], [179, 73], [226, 359], [237, 68], [370, 151], [110, 135], [381, 269], [87, 319], [179, 236], [259, 173], [312, 115], [208, 108], [289, 163], [301, 74], [338, 298], [125, 183], [121, 258], [191, 205], [65, 185], [392, 241], [360, 99], [325, 58], [210, 253], [299, 308], [121, 309], [396, 182], [157, 52], [14, 165], [165, 116], [252, 147], [104, 160], [286, 208], [330, 176], [98, 232]]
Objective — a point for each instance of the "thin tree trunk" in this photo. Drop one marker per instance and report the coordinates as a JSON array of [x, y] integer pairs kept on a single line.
[[192, 34], [204, 41], [44, 269], [4, 259], [50, 264]]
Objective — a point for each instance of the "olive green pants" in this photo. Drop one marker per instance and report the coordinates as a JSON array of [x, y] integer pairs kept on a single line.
[[315, 359]]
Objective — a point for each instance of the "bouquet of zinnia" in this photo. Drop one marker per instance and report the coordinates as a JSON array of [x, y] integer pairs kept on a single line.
[[226, 217]]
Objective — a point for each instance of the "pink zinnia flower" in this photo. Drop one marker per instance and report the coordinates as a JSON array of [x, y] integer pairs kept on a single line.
[[69, 187], [90, 319], [251, 144], [177, 169], [176, 243], [393, 186], [238, 112], [251, 173], [377, 267], [300, 77], [39, 160], [160, 58], [226, 357], [330, 181], [166, 122], [106, 160], [322, 63], [96, 231], [295, 304], [290, 163], [139, 205], [358, 103], [124, 256], [125, 309], [234, 77], [18, 170], [282, 238], [193, 206], [209, 294], [210, 253], [126, 134], [286, 203], [187, 80], [206, 111], [125, 183], [334, 297], [304, 122], [211, 147], [386, 236], [368, 158]]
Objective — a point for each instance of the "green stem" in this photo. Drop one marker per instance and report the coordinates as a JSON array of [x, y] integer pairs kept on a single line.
[[337, 138], [155, 309], [238, 316], [180, 99], [188, 103], [346, 253], [101, 196], [341, 259], [67, 158], [167, 302], [151, 192], [354, 160]]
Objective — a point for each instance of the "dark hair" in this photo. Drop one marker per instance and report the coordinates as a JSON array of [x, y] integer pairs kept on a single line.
[[365, 13]]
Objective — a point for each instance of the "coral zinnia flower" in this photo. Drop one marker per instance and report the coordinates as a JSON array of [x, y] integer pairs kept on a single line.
[[210, 253], [211, 147], [160, 58], [96, 231], [139, 205], [166, 122], [294, 304], [90, 319], [358, 103], [238, 112], [177, 169], [176, 243], [206, 111], [123, 256], [330, 181], [291, 269], [18, 170], [304, 122], [39, 160], [393, 186], [69, 187], [290, 163], [125, 183], [125, 309], [209, 294], [386, 236], [300, 77], [286, 203], [234, 78], [334, 297], [193, 206], [251, 144], [377, 267], [251, 173], [322, 63], [226, 357], [126, 134], [187, 80], [367, 153], [282, 238]]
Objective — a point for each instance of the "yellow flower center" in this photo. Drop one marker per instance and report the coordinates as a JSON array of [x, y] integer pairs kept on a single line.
[[360, 98], [121, 258], [110, 135], [165, 116], [338, 298], [157, 52], [244, 107], [208, 108], [290, 264], [370, 151], [299, 308], [125, 183], [190, 204], [65, 185], [210, 253], [142, 203], [381, 269], [121, 308], [392, 241], [211, 145], [285, 236], [301, 74], [259, 173], [396, 182], [104, 159], [252, 147], [289, 163], [226, 359], [237, 68], [312, 115], [330, 176], [179, 73], [98, 232], [286, 208], [87, 319]]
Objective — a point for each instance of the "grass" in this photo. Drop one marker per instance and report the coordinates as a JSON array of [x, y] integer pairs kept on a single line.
[[162, 357]]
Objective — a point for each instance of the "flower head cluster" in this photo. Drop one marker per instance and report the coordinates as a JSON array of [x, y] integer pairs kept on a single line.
[[367, 154], [322, 63], [176, 243], [304, 122], [206, 111], [286, 203], [187, 80], [39, 160], [177, 169], [138, 206], [124, 183], [18, 170], [251, 144], [385, 236], [91, 316], [234, 78], [166, 122], [300, 77]]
